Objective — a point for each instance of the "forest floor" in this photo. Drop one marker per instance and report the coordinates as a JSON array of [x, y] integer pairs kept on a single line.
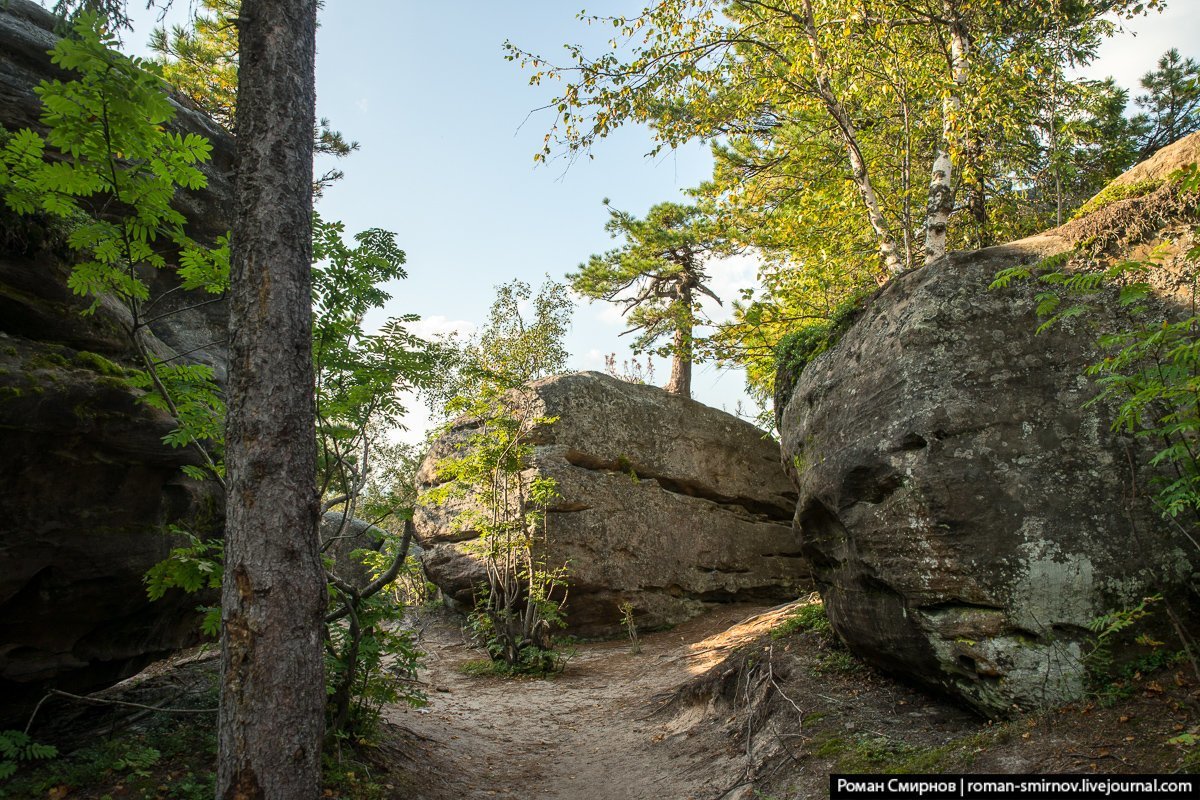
[[743, 703]]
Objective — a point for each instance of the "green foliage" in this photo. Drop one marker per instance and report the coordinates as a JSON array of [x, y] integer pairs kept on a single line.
[[115, 105], [351, 777], [521, 341], [193, 567], [832, 656], [808, 617], [188, 393], [164, 756], [382, 671], [521, 603], [106, 126], [201, 62], [360, 376], [1098, 661], [657, 275], [360, 380], [137, 761], [797, 349], [169, 757], [1151, 372], [1150, 375], [826, 116], [1171, 104], [16, 748]]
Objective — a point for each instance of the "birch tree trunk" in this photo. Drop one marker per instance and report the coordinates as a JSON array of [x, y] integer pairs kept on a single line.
[[858, 165], [941, 183], [273, 598]]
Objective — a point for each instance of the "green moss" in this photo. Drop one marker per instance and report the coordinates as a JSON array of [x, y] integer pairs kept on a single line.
[[626, 466], [48, 360], [838, 661], [98, 363], [1114, 193], [883, 754], [799, 348], [830, 747], [113, 383], [809, 617], [1191, 762]]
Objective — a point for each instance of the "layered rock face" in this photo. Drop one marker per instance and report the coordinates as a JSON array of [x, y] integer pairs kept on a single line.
[[966, 516], [666, 504], [87, 487]]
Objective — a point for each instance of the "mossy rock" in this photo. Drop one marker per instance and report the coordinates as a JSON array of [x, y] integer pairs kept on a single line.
[[98, 363], [1115, 192]]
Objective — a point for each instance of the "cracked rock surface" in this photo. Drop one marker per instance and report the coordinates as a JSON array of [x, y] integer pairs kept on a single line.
[[966, 514], [666, 504]]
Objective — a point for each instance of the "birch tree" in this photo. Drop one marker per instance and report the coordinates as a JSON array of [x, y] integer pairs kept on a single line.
[[901, 87]]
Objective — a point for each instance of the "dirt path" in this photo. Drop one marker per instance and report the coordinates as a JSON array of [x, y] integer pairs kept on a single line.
[[587, 734], [773, 719]]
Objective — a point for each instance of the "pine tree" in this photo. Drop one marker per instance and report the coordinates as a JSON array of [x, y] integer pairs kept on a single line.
[[659, 277], [273, 599], [1171, 104]]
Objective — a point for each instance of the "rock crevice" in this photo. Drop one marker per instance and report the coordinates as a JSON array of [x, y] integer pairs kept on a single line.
[[688, 488]]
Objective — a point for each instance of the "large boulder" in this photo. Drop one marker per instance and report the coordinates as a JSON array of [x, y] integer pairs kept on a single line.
[[665, 503], [27, 32], [966, 513], [88, 489]]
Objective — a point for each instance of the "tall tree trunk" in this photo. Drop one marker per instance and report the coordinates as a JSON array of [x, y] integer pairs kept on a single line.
[[273, 599], [681, 368], [941, 183], [858, 164], [681, 359]]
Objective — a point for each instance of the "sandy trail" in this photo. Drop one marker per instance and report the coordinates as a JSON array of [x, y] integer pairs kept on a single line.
[[587, 734]]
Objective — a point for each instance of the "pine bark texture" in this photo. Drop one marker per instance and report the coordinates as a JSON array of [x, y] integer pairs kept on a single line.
[[681, 366], [272, 693]]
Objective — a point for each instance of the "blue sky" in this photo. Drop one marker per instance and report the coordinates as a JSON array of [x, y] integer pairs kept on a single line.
[[447, 147]]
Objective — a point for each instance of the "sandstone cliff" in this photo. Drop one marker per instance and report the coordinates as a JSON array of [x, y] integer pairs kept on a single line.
[[666, 504]]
